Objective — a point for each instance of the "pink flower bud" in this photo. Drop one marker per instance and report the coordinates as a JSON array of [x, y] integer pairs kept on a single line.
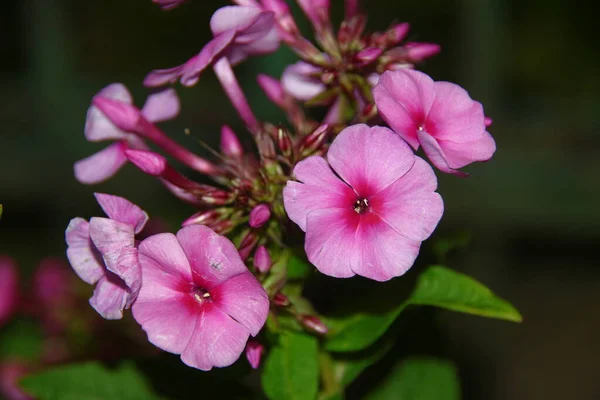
[[168, 4], [254, 352], [272, 88], [313, 141], [420, 51], [281, 300], [284, 142], [398, 32], [205, 217], [262, 260], [230, 144], [317, 11], [259, 215], [487, 121], [9, 288], [124, 115], [247, 244], [314, 324], [149, 162], [216, 197], [368, 55]]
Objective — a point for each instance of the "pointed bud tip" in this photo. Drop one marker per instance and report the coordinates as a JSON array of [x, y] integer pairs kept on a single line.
[[259, 215], [124, 115]]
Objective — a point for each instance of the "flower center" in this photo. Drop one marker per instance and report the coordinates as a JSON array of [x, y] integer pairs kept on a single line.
[[361, 205], [201, 295]]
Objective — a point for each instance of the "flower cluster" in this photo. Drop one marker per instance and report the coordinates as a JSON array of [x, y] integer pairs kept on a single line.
[[350, 181]]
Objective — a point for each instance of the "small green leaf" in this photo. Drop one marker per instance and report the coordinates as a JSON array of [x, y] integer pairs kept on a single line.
[[436, 286], [291, 370], [419, 379], [298, 268], [348, 369], [88, 381]]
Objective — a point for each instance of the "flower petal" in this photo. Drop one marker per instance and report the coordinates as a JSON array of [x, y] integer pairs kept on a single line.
[[97, 126], [369, 158], [212, 51], [410, 205], [217, 340], [102, 165], [110, 297], [460, 154], [213, 258], [244, 299], [83, 256], [110, 237], [234, 18], [167, 256], [436, 154], [297, 80], [404, 98], [122, 210], [162, 106], [128, 268], [330, 241]]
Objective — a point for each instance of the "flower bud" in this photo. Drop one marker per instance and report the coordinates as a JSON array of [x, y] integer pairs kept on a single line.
[[314, 324], [397, 33], [487, 121], [124, 115], [247, 244], [311, 142], [273, 89], [368, 55], [317, 11], [262, 260], [417, 52], [216, 197], [206, 217], [230, 144], [281, 300], [284, 142], [259, 215], [222, 227], [254, 352]]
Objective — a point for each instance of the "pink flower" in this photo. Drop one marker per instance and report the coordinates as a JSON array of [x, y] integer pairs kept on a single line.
[[371, 221], [440, 116], [239, 32], [9, 288], [103, 252], [100, 166], [198, 299]]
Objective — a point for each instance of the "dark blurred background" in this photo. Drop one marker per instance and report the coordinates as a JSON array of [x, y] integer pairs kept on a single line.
[[533, 212]]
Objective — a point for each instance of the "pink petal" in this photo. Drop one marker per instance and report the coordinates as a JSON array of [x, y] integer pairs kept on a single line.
[[9, 285], [299, 82], [244, 299], [110, 297], [387, 254], [207, 56], [122, 210], [321, 190], [436, 154], [110, 237], [213, 258], [82, 255], [330, 241], [162, 106], [233, 18], [102, 165], [128, 268], [97, 125], [217, 340], [265, 45], [369, 158], [160, 77], [404, 98], [454, 116], [460, 154], [168, 256], [410, 205]]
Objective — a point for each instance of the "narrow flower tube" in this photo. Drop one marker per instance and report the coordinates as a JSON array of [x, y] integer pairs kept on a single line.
[[259, 215], [314, 324], [230, 144], [317, 12], [262, 260]]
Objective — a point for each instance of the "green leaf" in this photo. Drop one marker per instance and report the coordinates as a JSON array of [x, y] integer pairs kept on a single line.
[[419, 379], [436, 286], [291, 370], [348, 369], [298, 268], [88, 381], [22, 339]]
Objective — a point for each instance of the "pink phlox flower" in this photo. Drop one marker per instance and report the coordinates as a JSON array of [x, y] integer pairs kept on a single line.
[[103, 251], [161, 106], [9, 288], [198, 299], [367, 209], [239, 32], [440, 116]]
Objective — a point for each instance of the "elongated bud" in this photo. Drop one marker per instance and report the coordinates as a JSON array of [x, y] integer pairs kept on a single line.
[[259, 215], [288, 30], [230, 144], [281, 300], [247, 244], [314, 324], [262, 260], [417, 52], [266, 147], [206, 217], [222, 227], [273, 89], [350, 8], [487, 121], [254, 352], [284, 142], [216, 197], [397, 33], [368, 55], [124, 115], [313, 141], [317, 11]]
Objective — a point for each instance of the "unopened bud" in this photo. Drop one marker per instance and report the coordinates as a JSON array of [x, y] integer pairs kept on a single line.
[[247, 244], [281, 300], [368, 55], [149, 162], [262, 260], [397, 33], [254, 352], [417, 52], [487, 121], [284, 142], [273, 89], [230, 144], [313, 141], [124, 115], [314, 324], [206, 217], [216, 197], [259, 215], [317, 11], [222, 227]]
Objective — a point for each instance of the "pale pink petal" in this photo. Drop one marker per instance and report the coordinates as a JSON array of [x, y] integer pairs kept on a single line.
[[321, 190], [110, 237], [165, 251], [102, 165], [410, 205], [404, 98], [460, 154], [128, 268], [83, 256], [211, 52], [436, 154], [122, 210], [110, 297], [97, 125], [369, 158], [334, 115], [213, 258], [299, 82], [217, 341], [454, 116], [233, 18], [9, 288], [160, 77], [385, 253], [162, 106], [244, 299], [330, 241], [265, 45]]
